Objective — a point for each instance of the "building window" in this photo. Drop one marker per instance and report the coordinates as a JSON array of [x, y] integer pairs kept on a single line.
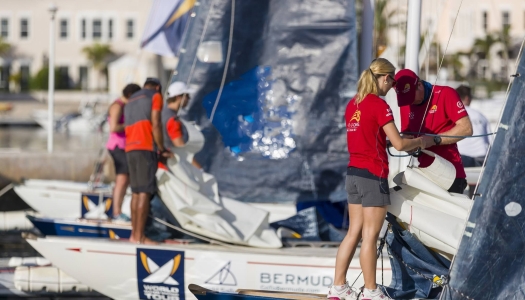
[[83, 78], [505, 18], [4, 28], [63, 78], [24, 28], [110, 29], [24, 78], [5, 72], [97, 29], [129, 29], [485, 21], [83, 29], [63, 29]]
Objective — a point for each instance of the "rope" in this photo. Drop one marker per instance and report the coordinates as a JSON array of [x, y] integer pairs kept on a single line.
[[451, 136], [439, 69], [6, 189], [230, 42], [211, 241]]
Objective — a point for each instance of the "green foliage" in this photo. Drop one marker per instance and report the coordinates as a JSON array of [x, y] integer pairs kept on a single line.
[[4, 47], [97, 54], [15, 78], [382, 24], [490, 86], [40, 80]]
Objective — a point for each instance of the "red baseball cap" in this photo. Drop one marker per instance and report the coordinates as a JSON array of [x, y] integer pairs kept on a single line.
[[406, 87]]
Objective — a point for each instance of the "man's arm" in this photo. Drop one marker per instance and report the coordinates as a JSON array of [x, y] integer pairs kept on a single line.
[[463, 128], [157, 130]]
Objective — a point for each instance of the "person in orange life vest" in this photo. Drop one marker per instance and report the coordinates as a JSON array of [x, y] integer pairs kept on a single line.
[[143, 133], [369, 121], [115, 145], [441, 111], [174, 135]]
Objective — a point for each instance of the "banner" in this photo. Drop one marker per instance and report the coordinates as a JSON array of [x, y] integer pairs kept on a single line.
[[166, 25]]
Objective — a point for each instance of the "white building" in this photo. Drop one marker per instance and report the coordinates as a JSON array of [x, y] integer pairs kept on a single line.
[[24, 24], [476, 19]]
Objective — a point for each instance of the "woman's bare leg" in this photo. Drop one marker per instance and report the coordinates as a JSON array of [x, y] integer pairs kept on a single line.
[[346, 250], [119, 191], [373, 221]]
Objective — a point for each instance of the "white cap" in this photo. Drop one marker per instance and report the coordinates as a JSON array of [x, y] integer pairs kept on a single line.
[[178, 88]]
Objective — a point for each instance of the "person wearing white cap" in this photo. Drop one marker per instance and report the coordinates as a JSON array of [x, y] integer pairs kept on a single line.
[[178, 96]]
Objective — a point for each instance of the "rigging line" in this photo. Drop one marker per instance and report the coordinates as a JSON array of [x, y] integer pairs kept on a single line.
[[188, 81], [486, 155], [211, 241], [439, 69], [230, 42], [451, 136]]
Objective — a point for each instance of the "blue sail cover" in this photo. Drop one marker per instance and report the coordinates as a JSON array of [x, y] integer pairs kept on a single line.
[[490, 263], [277, 130]]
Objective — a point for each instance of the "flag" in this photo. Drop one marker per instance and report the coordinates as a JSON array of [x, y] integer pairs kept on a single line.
[[166, 25]]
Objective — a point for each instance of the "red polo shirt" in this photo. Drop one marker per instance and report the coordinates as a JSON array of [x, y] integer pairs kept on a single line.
[[365, 135], [444, 110]]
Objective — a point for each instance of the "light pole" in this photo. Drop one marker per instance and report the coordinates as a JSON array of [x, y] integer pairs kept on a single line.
[[51, 80]]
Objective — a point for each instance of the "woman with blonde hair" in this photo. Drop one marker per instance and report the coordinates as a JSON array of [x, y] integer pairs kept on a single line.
[[369, 121]]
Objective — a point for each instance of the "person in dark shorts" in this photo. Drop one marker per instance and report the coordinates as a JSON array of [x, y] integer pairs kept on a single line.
[[115, 145], [437, 110], [143, 133], [369, 121]]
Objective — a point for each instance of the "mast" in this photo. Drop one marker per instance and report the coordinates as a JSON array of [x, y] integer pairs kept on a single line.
[[413, 35], [367, 33]]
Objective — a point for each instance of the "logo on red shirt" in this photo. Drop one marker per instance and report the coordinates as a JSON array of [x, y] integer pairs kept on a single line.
[[460, 104], [411, 115], [356, 116], [433, 109], [388, 112], [352, 126]]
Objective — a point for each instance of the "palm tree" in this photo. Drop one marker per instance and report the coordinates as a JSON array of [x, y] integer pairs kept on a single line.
[[503, 37], [381, 25], [453, 61], [98, 55], [4, 47], [482, 47]]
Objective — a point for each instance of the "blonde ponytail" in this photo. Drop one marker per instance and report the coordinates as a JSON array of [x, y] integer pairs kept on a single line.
[[367, 83]]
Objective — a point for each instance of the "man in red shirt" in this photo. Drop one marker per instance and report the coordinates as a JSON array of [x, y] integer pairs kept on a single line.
[[425, 108], [175, 135], [143, 132]]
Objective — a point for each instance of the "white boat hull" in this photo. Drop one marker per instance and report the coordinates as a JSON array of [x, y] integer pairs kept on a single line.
[[113, 268], [62, 199]]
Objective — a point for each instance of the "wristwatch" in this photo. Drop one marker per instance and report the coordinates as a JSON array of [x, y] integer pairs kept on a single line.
[[437, 140]]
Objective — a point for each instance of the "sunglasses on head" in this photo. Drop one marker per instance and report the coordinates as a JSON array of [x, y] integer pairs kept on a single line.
[[394, 82]]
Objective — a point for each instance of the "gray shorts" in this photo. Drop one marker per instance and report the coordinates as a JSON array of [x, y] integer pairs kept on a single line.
[[363, 187]]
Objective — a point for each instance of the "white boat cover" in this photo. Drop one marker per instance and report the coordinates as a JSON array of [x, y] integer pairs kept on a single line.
[[435, 216], [192, 197]]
